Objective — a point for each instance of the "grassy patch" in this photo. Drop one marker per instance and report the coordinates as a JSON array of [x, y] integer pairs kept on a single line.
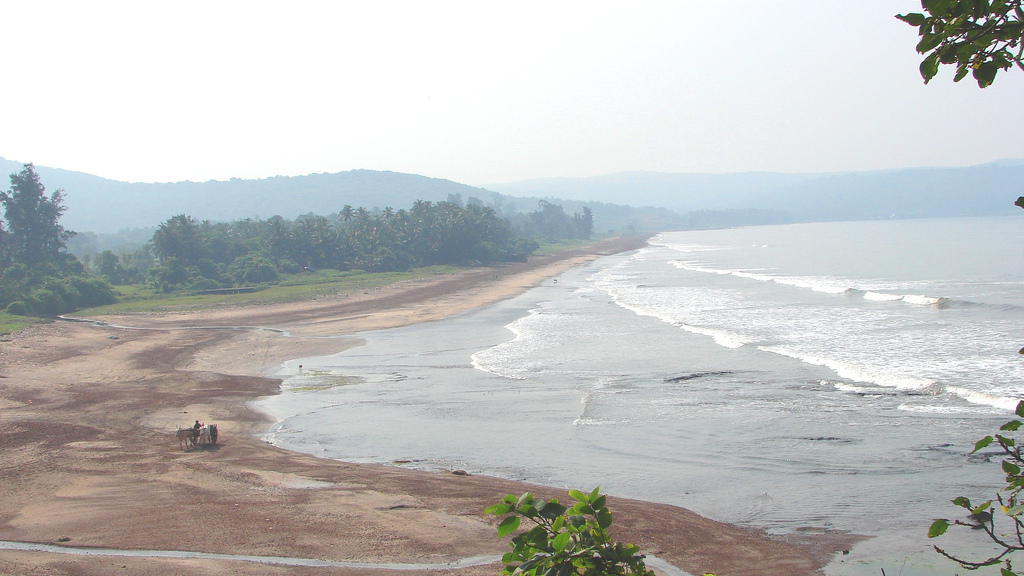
[[9, 322], [292, 288], [552, 247]]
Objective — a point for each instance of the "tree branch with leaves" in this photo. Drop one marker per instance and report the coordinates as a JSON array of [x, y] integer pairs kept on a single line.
[[1008, 507], [564, 541], [978, 37]]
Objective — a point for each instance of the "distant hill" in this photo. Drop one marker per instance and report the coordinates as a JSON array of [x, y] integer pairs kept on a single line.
[[655, 200], [101, 205], [988, 189]]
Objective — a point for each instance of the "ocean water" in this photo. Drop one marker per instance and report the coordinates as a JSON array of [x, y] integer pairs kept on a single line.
[[830, 376]]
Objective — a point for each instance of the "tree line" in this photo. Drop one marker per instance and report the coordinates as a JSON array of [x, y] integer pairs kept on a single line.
[[199, 255], [40, 278]]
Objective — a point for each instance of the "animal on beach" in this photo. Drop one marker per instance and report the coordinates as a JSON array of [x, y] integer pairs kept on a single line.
[[204, 435], [184, 436]]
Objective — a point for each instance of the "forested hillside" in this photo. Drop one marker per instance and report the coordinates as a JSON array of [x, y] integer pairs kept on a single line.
[[625, 202], [99, 205]]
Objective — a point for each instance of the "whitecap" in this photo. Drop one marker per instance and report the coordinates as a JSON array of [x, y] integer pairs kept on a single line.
[[882, 297]]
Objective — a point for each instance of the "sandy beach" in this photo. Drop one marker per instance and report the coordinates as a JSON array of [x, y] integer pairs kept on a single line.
[[89, 457]]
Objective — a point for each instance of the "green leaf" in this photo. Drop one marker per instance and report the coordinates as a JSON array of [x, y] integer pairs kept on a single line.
[[914, 19], [962, 502], [595, 494], [1011, 468], [508, 526], [982, 443], [498, 509], [599, 503], [537, 537], [1020, 405], [1011, 426], [981, 507], [985, 74], [560, 542], [524, 499], [930, 66], [553, 510], [937, 7], [577, 495], [558, 523], [947, 55], [938, 528], [604, 518], [929, 42]]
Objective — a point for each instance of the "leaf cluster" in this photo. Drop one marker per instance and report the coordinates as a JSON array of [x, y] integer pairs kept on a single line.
[[564, 541], [984, 516], [978, 37]]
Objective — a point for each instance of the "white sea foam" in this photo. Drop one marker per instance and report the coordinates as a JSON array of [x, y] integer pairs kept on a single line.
[[988, 399], [858, 374], [901, 383], [882, 297], [852, 389], [817, 284], [923, 300], [824, 284], [722, 337], [951, 410], [621, 293], [496, 358]]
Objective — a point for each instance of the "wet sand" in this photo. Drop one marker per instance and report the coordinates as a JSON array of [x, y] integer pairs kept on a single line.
[[89, 457]]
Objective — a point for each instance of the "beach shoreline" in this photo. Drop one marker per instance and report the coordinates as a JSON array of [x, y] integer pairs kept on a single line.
[[87, 415]]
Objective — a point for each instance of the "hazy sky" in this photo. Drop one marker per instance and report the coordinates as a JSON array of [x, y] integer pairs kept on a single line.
[[485, 92]]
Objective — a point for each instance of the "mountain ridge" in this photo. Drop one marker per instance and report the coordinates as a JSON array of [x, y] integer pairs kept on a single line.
[[655, 199]]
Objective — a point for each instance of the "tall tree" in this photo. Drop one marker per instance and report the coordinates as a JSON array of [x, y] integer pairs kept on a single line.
[[35, 235], [179, 237]]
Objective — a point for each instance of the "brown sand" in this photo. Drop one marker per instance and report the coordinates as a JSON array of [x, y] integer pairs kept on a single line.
[[88, 457]]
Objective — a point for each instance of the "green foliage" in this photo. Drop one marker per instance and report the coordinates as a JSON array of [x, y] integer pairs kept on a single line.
[[253, 268], [179, 238], [59, 296], [38, 277], [34, 234], [552, 224], [173, 274], [248, 252], [978, 37], [564, 541], [110, 267], [983, 517]]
